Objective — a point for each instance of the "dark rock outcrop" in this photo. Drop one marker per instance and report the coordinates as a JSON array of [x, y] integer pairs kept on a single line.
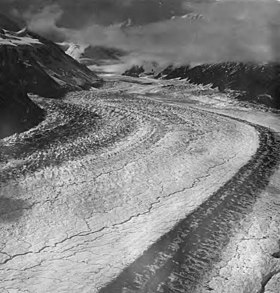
[[148, 68], [134, 71]]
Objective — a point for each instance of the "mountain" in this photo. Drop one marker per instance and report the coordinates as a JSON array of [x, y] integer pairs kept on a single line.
[[258, 83], [46, 69], [30, 63]]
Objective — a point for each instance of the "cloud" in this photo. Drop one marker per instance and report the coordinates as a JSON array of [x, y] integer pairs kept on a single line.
[[104, 12], [228, 31], [45, 19], [242, 30], [45, 22]]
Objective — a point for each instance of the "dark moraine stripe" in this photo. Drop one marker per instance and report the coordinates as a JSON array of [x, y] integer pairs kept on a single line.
[[178, 260]]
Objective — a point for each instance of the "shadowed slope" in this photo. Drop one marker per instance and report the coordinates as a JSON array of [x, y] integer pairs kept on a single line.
[[17, 111]]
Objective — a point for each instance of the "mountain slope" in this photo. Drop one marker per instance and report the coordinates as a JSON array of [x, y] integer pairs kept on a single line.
[[258, 83], [45, 69]]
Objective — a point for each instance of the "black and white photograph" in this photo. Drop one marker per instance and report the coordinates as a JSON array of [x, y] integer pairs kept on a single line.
[[139, 146]]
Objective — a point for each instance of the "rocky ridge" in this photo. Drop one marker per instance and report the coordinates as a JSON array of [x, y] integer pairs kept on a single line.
[[257, 83]]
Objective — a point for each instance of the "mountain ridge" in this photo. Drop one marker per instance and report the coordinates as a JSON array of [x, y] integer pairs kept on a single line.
[[253, 82]]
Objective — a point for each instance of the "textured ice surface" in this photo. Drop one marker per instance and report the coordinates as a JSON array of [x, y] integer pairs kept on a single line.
[[104, 177]]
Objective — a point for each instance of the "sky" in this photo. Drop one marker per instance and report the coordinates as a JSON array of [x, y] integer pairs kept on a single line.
[[224, 30], [76, 14]]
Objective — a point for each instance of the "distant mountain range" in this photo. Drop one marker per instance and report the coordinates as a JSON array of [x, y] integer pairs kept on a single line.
[[30, 63], [258, 83]]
